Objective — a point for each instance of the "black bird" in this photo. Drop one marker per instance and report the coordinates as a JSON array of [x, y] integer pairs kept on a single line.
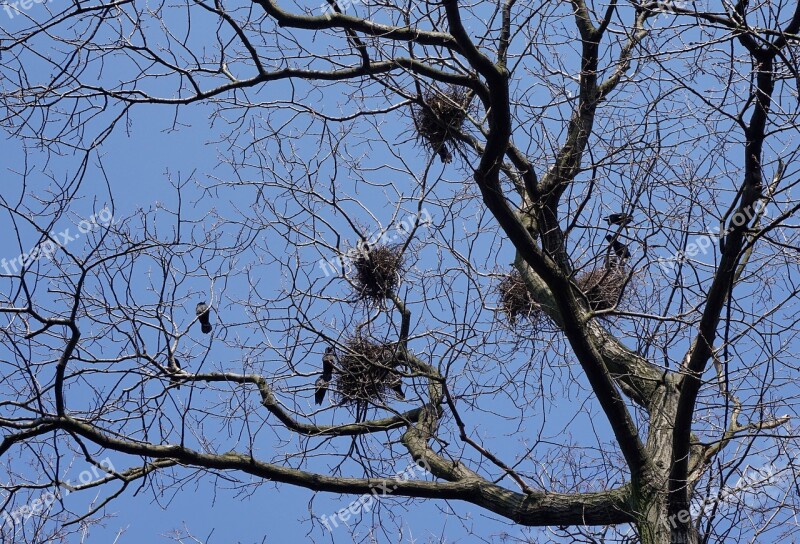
[[619, 219], [397, 386], [620, 249], [204, 315], [445, 154], [398, 389], [327, 375]]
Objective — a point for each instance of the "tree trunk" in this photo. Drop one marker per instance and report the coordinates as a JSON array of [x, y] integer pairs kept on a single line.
[[656, 527], [654, 524]]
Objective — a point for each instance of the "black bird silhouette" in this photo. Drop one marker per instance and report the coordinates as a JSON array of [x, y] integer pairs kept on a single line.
[[398, 389], [396, 385], [445, 154], [327, 375], [619, 219], [620, 249], [204, 315]]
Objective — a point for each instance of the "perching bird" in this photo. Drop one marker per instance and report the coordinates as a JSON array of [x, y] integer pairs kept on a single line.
[[363, 249], [398, 389], [327, 375], [619, 219], [396, 385], [620, 249], [203, 313], [445, 154]]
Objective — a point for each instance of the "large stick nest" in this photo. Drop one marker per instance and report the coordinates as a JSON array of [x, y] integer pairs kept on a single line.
[[378, 271], [366, 372], [515, 299], [603, 286], [441, 117]]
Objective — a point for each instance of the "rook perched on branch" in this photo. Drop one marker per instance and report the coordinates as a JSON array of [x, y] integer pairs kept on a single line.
[[328, 360], [622, 219], [204, 315], [620, 250], [396, 385]]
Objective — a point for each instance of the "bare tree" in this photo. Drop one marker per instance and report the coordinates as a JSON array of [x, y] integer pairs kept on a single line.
[[380, 162]]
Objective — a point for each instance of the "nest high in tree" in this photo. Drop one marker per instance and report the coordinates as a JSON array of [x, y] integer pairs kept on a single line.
[[442, 116], [377, 271], [366, 373], [515, 299], [603, 286]]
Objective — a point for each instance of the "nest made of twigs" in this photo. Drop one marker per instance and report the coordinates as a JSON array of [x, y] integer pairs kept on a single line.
[[443, 115], [366, 372], [603, 286], [377, 271], [515, 300]]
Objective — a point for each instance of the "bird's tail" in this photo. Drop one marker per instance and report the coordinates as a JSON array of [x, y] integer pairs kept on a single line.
[[206, 328], [445, 154]]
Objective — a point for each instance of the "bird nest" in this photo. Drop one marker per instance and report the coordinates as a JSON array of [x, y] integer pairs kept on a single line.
[[378, 271], [603, 287], [365, 373], [441, 117], [515, 299]]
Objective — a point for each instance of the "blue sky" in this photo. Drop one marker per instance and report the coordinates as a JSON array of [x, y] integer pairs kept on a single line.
[[138, 165]]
